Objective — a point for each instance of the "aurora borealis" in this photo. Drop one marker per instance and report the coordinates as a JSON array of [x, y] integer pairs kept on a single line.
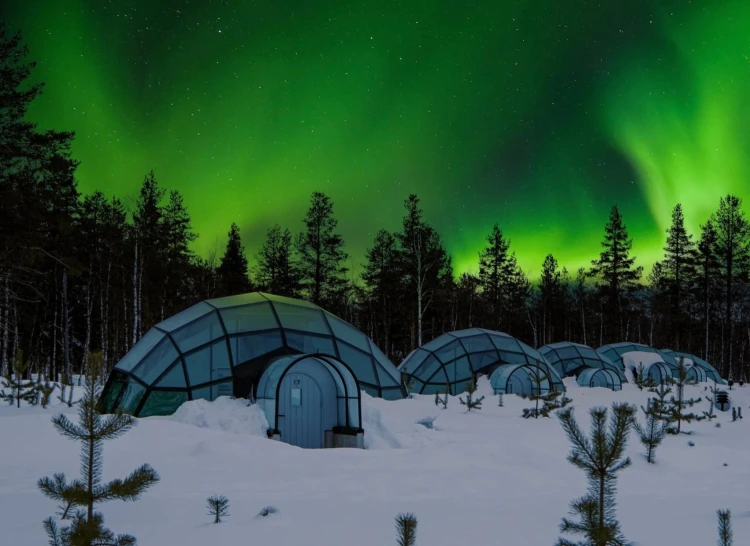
[[537, 115]]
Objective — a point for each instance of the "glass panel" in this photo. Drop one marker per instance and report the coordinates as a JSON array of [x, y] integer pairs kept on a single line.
[[174, 378], [131, 397], [156, 362], [212, 392], [372, 391], [198, 333], [139, 350], [462, 367], [359, 362], [393, 394], [449, 352], [208, 364], [505, 343], [348, 333], [296, 397], [302, 318], [386, 364], [310, 344], [477, 343], [109, 396], [290, 301], [250, 318], [386, 379], [568, 353], [183, 317], [413, 361], [428, 367], [163, 403], [482, 360], [239, 299], [588, 352], [437, 343], [513, 358], [252, 346]]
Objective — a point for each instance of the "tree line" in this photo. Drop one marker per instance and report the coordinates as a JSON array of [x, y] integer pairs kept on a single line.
[[83, 273]]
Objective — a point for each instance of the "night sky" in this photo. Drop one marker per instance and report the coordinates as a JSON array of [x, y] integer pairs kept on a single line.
[[537, 115]]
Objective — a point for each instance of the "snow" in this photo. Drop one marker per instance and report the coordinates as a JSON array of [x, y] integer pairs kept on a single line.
[[487, 476]]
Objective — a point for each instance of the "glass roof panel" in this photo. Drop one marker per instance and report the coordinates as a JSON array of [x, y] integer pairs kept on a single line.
[[188, 315], [249, 318], [133, 357], [305, 319], [239, 299]]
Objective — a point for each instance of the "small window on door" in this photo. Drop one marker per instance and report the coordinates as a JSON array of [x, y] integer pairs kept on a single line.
[[296, 397]]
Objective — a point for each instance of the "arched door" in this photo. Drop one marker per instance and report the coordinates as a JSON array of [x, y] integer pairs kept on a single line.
[[300, 419]]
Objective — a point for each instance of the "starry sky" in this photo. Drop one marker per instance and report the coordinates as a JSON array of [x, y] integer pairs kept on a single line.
[[538, 115]]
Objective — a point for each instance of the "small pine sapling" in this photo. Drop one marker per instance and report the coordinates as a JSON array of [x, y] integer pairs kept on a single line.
[[471, 402], [267, 511], [92, 429], [710, 414], [653, 432], [218, 507], [408, 382], [601, 456], [725, 528], [550, 401], [734, 414], [677, 405], [20, 389], [443, 400], [500, 400], [739, 412], [639, 376], [45, 390], [406, 530]]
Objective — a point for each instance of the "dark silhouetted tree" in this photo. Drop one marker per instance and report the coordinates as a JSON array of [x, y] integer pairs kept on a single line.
[[277, 269], [231, 274], [678, 272]]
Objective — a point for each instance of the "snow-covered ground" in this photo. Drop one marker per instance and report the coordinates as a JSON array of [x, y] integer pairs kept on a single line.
[[483, 477]]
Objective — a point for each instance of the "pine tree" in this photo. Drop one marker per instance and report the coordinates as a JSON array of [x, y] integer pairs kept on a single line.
[[218, 507], [677, 405], [679, 270], [443, 400], [616, 270], [653, 432], [725, 528], [707, 272], [601, 457], [232, 276], [322, 256], [277, 268], [177, 236], [45, 389], [732, 249], [471, 402], [551, 291], [494, 271], [551, 399], [19, 389], [406, 530], [86, 492]]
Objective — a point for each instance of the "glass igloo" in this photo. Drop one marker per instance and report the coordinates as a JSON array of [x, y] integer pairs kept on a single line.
[[711, 373], [452, 358], [572, 358], [600, 377], [222, 346], [616, 351]]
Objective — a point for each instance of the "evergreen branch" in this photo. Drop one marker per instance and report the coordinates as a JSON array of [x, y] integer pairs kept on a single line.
[[69, 429], [129, 489]]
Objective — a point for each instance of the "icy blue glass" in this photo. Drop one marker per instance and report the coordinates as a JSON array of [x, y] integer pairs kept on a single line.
[[359, 362], [506, 343], [385, 378], [348, 333], [163, 403], [139, 350], [249, 318], [384, 365], [240, 299], [199, 332], [304, 319], [131, 397], [449, 352], [212, 392], [251, 346], [412, 362], [208, 364], [310, 344], [482, 360], [188, 315], [158, 360], [289, 301], [175, 377]]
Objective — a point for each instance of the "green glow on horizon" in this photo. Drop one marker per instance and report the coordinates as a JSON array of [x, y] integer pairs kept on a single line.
[[533, 114]]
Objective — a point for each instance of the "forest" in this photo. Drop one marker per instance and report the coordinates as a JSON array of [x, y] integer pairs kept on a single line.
[[84, 273]]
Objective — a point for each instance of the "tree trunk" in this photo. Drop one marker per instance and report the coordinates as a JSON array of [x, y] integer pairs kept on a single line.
[[135, 295], [5, 368], [66, 328]]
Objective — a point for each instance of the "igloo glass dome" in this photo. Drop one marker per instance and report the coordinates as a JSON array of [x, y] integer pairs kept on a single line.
[[222, 347], [570, 358], [452, 358]]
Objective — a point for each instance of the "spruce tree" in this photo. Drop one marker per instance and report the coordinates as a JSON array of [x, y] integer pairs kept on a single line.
[[277, 269], [679, 270], [470, 402], [551, 292], [83, 494], [732, 250], [706, 279], [615, 270], [218, 507], [551, 399], [653, 432], [19, 389], [321, 255], [406, 530], [601, 456], [678, 404], [494, 271], [232, 275], [725, 528]]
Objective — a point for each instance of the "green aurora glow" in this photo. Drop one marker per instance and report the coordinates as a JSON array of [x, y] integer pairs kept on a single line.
[[537, 115]]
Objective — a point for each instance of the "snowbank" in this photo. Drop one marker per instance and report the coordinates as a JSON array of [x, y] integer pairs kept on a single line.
[[223, 414]]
